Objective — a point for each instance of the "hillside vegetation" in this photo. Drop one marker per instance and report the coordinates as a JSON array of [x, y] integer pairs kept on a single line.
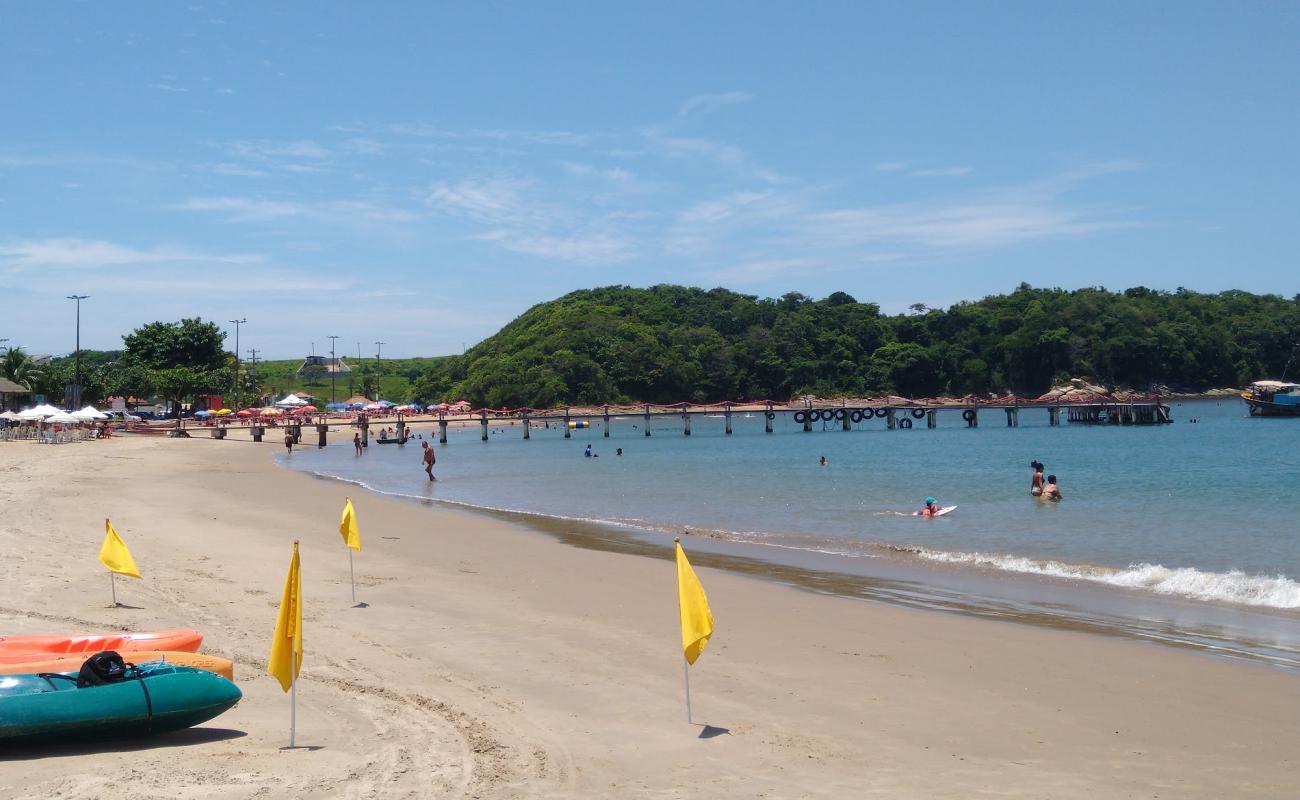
[[673, 343]]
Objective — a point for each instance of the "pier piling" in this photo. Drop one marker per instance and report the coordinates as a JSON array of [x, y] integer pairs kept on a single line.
[[484, 423], [647, 419], [686, 423], [527, 425], [767, 419], [567, 429], [442, 430], [891, 419], [728, 414], [931, 419], [322, 431]]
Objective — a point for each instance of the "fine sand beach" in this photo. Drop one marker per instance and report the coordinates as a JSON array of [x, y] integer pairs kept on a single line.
[[492, 661]]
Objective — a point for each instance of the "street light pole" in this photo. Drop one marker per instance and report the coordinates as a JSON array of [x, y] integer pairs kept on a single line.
[[237, 323], [334, 369], [252, 372], [76, 381], [379, 352]]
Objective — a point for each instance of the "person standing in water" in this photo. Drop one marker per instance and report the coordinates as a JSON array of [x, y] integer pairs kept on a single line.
[[288, 441], [1051, 491], [1036, 482], [429, 460], [356, 442]]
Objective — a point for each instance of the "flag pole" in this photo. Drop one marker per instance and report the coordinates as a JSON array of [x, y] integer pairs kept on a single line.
[[293, 698], [112, 582], [686, 671], [353, 574]]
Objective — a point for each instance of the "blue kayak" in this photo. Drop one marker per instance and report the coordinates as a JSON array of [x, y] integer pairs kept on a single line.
[[154, 698]]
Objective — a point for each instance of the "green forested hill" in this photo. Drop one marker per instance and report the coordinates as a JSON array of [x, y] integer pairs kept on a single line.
[[672, 343]]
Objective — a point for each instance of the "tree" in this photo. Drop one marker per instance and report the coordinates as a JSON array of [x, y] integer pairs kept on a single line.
[[176, 359], [18, 367]]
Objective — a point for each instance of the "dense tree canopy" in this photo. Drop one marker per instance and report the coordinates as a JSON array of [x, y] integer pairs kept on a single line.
[[175, 360], [672, 343]]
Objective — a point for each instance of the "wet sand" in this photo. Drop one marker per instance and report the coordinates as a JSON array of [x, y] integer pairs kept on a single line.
[[492, 661]]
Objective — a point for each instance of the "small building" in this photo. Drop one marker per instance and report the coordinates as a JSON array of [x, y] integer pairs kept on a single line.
[[12, 395], [323, 365]]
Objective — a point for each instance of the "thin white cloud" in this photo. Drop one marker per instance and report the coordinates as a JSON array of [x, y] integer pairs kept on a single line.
[[942, 172], [74, 253], [890, 166], [238, 170], [706, 103], [255, 209]]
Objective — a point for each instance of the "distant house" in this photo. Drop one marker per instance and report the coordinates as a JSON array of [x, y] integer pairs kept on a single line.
[[323, 365], [11, 395]]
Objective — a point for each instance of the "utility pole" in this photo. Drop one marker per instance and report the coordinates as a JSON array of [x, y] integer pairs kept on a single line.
[[76, 381], [334, 369], [379, 352], [237, 323], [253, 370]]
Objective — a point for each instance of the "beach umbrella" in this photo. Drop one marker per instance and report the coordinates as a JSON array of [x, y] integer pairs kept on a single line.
[[89, 412], [271, 411], [303, 410], [245, 414], [35, 413], [8, 415], [203, 413], [336, 406], [222, 412]]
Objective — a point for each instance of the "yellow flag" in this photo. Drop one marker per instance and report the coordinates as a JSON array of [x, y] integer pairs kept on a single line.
[[286, 647], [348, 527], [114, 554], [697, 620]]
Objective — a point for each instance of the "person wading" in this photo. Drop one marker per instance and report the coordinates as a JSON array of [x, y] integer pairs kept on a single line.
[[429, 460]]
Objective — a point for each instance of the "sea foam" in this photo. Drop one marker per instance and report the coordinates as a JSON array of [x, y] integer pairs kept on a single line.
[[1233, 587]]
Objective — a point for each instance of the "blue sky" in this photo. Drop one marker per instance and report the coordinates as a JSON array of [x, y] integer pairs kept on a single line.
[[421, 173]]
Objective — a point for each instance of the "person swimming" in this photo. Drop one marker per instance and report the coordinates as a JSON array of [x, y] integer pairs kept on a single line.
[[1051, 491], [823, 461], [587, 452]]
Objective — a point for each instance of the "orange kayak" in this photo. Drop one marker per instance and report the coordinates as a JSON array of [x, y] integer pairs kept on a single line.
[[21, 648], [71, 662]]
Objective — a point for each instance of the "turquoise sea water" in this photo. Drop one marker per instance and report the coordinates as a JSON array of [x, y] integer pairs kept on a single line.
[[1201, 512]]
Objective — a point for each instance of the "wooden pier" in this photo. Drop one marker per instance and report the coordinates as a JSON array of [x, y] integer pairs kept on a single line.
[[895, 414]]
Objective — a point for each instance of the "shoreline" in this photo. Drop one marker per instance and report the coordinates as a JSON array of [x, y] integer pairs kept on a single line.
[[895, 575], [493, 663]]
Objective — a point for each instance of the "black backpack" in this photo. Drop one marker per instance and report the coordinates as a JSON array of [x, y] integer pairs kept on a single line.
[[102, 669]]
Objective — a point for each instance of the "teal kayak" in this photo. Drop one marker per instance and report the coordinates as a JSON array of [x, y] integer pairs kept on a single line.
[[154, 698]]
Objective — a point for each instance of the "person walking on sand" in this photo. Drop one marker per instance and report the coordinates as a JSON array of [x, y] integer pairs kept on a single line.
[[429, 460], [1036, 482], [356, 442], [1051, 491], [288, 441]]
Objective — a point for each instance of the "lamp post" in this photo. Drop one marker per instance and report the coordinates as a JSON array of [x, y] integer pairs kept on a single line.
[[252, 372], [334, 369], [379, 352], [76, 381], [237, 323]]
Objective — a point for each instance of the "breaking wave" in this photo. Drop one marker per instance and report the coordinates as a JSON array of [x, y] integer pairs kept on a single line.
[[1232, 587]]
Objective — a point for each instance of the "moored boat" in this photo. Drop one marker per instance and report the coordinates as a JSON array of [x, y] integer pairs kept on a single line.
[[1273, 399], [153, 698]]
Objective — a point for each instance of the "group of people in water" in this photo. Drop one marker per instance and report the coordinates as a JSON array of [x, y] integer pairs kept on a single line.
[[1040, 487]]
